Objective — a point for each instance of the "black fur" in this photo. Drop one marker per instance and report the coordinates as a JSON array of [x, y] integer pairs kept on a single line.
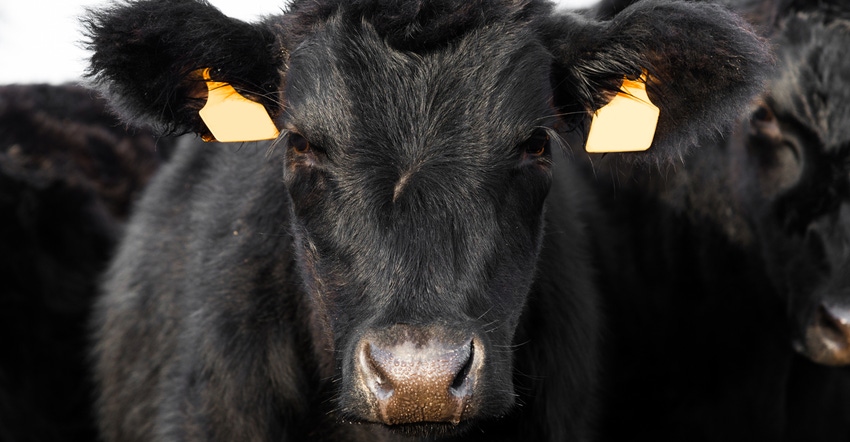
[[154, 50], [723, 265], [696, 85], [69, 171], [419, 25], [406, 192]]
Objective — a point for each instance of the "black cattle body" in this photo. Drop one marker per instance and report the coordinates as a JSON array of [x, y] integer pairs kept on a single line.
[[729, 296], [69, 170], [381, 270]]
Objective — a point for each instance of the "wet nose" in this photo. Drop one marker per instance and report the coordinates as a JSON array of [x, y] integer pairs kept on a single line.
[[418, 382], [828, 337]]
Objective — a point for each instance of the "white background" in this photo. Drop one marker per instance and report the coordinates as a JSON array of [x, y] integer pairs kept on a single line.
[[40, 39]]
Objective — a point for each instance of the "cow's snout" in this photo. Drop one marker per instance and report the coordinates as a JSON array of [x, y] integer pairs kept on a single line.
[[828, 336], [418, 376]]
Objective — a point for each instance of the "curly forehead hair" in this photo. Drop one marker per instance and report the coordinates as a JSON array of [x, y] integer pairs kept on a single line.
[[410, 25]]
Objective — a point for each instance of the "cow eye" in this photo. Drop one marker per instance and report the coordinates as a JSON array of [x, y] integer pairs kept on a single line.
[[537, 144], [762, 114], [763, 123], [299, 144], [764, 130], [777, 150]]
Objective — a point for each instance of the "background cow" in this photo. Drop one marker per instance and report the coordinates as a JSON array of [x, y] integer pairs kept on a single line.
[[726, 267], [69, 171], [384, 261]]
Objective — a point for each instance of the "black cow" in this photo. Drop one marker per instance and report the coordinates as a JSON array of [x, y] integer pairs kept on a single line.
[[729, 265], [797, 145], [384, 260], [69, 171]]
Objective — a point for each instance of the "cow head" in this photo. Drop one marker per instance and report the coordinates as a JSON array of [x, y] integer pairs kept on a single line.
[[417, 145], [795, 147]]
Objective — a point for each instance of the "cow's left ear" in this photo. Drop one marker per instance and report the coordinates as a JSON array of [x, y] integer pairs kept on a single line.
[[701, 65], [154, 59]]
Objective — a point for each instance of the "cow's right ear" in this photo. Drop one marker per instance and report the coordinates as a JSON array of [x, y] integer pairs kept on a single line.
[[701, 65], [149, 58]]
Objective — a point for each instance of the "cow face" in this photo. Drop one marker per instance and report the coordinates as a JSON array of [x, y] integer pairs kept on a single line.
[[798, 143], [416, 150], [418, 213]]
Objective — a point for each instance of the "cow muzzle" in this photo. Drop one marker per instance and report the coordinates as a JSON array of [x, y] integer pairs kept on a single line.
[[415, 375], [827, 337]]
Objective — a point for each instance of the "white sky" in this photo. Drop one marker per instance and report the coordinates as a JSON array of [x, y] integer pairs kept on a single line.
[[39, 39]]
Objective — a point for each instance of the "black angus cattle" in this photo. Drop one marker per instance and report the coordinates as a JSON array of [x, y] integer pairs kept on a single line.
[[726, 267], [380, 271], [796, 145], [69, 171]]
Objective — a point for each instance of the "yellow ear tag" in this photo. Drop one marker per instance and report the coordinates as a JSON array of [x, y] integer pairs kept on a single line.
[[232, 117], [626, 124]]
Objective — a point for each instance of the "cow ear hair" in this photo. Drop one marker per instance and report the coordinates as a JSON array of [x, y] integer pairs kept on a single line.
[[703, 65], [148, 59]]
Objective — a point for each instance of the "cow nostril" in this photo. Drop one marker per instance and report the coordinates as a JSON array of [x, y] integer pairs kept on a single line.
[[461, 384], [828, 337], [834, 325], [375, 377]]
